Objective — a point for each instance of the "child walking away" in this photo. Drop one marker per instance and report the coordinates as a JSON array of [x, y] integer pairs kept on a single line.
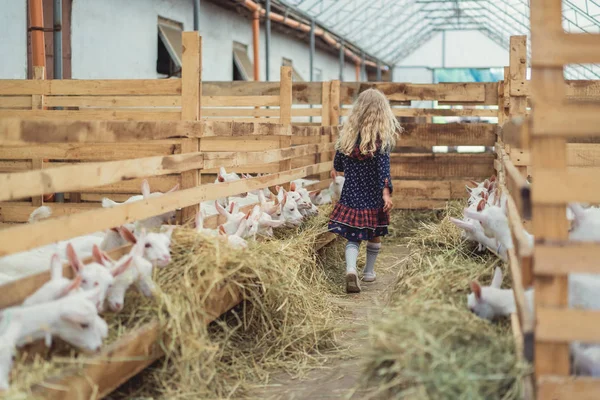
[[363, 155]]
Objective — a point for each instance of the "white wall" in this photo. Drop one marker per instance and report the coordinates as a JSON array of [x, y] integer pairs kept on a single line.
[[464, 49], [116, 39], [13, 39]]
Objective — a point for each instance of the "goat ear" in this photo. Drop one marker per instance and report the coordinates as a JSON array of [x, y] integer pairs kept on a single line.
[[220, 209], [173, 189], [497, 279], [493, 178], [127, 235], [481, 205], [285, 197], [75, 283], [220, 178], [293, 187], [241, 227], [122, 267], [55, 267], [145, 188], [222, 230], [74, 260], [75, 317], [476, 289], [97, 255], [231, 206]]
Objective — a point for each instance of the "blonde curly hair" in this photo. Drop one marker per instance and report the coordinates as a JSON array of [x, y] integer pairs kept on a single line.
[[372, 118]]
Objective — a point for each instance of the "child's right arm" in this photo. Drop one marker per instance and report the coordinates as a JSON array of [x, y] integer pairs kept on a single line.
[[338, 164]]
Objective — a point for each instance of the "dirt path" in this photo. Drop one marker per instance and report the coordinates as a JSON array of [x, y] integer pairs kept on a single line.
[[339, 377]]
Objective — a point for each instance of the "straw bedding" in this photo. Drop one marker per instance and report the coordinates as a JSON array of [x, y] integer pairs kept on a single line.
[[287, 321], [427, 345]]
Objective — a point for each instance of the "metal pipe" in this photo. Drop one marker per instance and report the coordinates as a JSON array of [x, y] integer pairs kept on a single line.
[[312, 49], [58, 61], [253, 6], [363, 68], [255, 37], [357, 71], [58, 50], [268, 39], [443, 49], [342, 61], [36, 21], [197, 15]]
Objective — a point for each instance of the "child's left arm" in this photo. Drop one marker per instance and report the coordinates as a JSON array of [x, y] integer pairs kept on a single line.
[[385, 181]]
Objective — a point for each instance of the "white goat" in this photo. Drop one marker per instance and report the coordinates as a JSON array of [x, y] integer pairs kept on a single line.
[[261, 223], [235, 241], [336, 187], [8, 345], [151, 222], [73, 318], [140, 274], [157, 249], [95, 276], [56, 287]]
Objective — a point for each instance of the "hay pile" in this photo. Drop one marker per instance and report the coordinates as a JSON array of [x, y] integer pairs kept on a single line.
[[288, 320], [428, 345]]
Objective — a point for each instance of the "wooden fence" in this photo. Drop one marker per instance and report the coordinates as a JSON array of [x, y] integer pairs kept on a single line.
[[140, 345], [557, 148]]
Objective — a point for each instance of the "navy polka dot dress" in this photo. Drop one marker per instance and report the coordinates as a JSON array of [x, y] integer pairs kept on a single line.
[[359, 215]]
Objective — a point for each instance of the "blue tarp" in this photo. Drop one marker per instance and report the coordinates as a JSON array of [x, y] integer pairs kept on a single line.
[[446, 75]]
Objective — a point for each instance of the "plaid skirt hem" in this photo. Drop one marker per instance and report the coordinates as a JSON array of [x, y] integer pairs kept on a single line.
[[356, 234], [360, 218]]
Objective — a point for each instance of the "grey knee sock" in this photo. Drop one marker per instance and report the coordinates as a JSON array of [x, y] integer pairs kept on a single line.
[[372, 252], [351, 256]]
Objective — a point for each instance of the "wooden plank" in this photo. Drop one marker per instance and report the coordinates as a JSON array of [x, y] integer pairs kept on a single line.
[[561, 48], [36, 199], [439, 190], [15, 165], [472, 92], [29, 236], [255, 143], [491, 97], [285, 116], [17, 131], [240, 101], [91, 151], [302, 92], [440, 166], [239, 112], [578, 155], [133, 186], [90, 114], [300, 140], [15, 101], [19, 212], [106, 87], [551, 121], [556, 325], [568, 388], [549, 222], [518, 67], [444, 112], [112, 101], [527, 391], [566, 258], [454, 134], [418, 204], [263, 168], [190, 110], [83, 176], [557, 186]]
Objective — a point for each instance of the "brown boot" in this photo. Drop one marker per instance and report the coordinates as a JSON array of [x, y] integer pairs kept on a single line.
[[352, 285]]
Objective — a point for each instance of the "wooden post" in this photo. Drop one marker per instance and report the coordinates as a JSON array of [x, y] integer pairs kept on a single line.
[[37, 103], [285, 115], [325, 122], [518, 81], [549, 221], [334, 116], [191, 94]]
